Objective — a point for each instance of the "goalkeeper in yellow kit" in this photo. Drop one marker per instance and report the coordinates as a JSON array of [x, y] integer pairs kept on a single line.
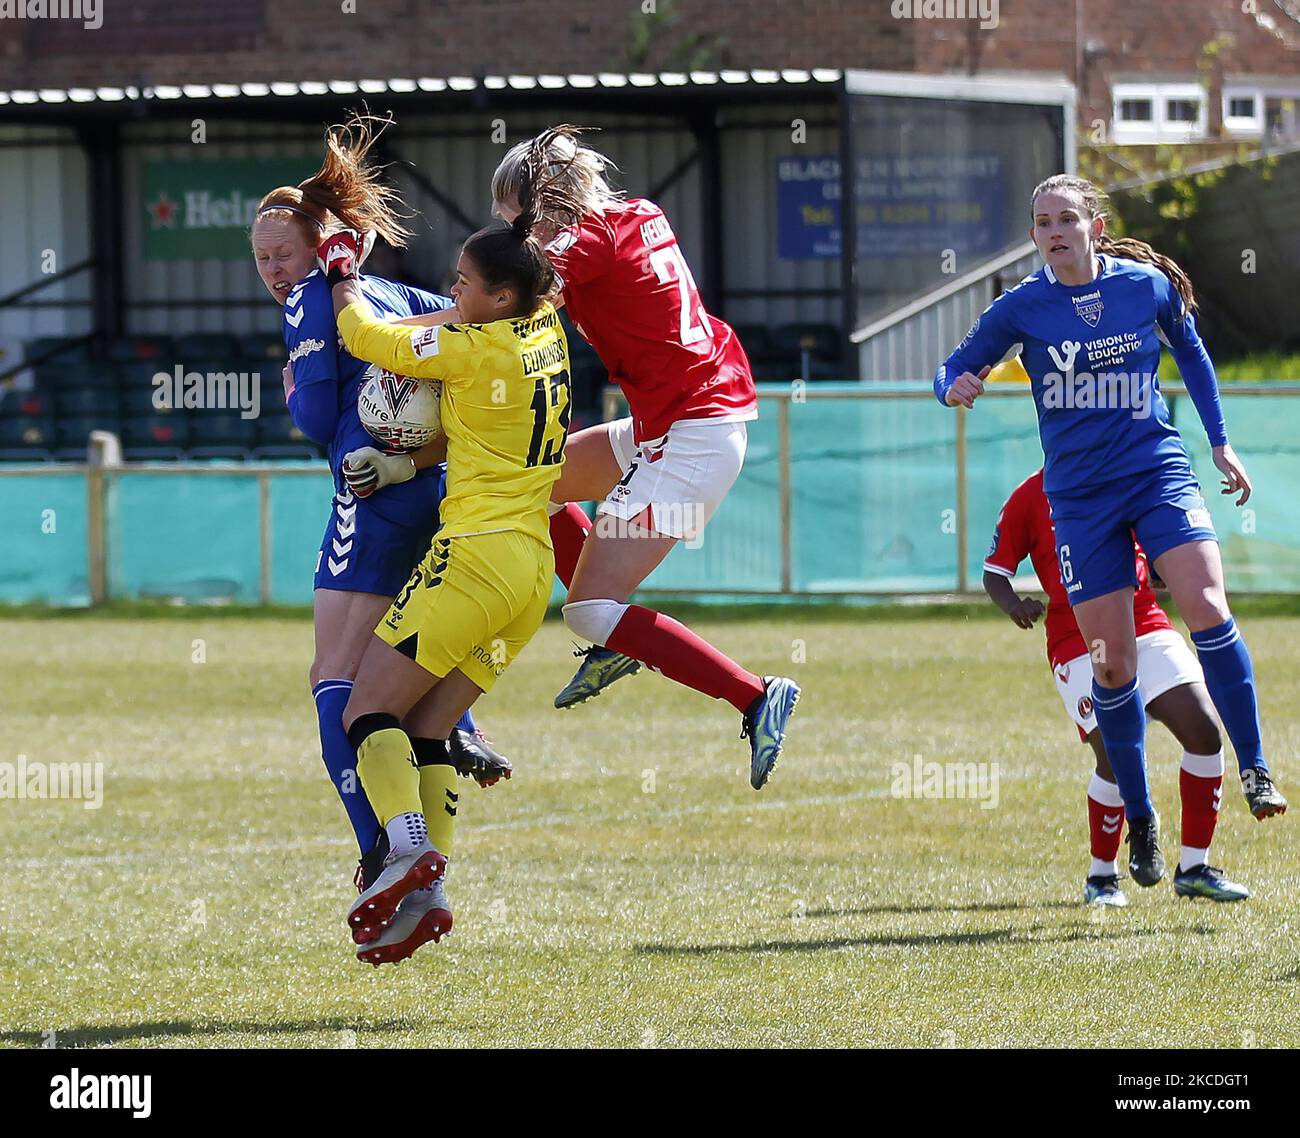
[[481, 592]]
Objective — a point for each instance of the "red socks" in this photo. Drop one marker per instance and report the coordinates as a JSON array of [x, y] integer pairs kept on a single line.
[[569, 529], [673, 650], [668, 646], [1200, 787], [1200, 800], [1105, 827]]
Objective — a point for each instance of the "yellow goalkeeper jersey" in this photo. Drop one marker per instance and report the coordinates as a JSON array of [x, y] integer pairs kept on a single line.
[[506, 400]]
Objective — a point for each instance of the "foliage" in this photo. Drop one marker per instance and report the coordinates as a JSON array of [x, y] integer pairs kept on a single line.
[[649, 32]]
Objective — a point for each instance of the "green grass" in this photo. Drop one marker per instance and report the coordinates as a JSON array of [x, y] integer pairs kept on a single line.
[[1258, 367], [203, 904]]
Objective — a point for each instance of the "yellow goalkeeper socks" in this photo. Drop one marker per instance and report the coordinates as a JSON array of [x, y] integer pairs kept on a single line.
[[438, 794], [439, 798], [386, 767]]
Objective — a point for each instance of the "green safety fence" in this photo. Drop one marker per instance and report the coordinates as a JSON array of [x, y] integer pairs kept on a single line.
[[848, 489]]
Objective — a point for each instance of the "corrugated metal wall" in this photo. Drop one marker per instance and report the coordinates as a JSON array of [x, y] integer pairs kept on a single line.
[[44, 204], [456, 152], [753, 138]]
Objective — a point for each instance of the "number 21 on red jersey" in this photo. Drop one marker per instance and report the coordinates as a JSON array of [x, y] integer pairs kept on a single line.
[[669, 265]]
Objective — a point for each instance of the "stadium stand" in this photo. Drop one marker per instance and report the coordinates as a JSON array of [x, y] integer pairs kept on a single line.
[[109, 385]]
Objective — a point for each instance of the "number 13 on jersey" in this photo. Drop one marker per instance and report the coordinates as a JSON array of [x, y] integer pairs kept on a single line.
[[552, 405]]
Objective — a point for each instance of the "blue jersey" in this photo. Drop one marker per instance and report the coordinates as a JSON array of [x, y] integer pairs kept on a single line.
[[1091, 352], [317, 357], [371, 544]]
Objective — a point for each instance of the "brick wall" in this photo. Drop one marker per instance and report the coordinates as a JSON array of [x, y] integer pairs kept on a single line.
[[314, 39], [179, 41]]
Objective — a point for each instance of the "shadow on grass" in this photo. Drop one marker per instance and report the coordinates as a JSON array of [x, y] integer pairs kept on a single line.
[[882, 940], [920, 940], [108, 1034], [980, 907]]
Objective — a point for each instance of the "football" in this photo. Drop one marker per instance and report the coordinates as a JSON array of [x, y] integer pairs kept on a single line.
[[397, 410]]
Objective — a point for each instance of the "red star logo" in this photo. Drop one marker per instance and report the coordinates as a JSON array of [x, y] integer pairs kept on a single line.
[[163, 212]]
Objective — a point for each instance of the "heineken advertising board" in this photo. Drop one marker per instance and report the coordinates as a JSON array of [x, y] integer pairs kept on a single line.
[[204, 208]]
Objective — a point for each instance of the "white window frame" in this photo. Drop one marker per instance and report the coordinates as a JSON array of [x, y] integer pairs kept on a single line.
[[1240, 124], [1150, 124], [1161, 128]]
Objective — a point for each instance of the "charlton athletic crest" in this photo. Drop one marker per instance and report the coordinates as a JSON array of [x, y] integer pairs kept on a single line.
[[1085, 707]]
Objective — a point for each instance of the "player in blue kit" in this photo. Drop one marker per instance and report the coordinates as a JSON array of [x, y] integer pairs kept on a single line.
[[374, 538], [1090, 323]]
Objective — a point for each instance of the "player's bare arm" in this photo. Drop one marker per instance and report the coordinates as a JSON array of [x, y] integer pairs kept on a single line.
[[1023, 611], [349, 292]]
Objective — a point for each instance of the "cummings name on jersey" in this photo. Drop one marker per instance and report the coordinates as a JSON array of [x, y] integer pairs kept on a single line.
[[547, 356]]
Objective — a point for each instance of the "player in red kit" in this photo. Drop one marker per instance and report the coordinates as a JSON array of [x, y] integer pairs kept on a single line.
[[1169, 678], [661, 473]]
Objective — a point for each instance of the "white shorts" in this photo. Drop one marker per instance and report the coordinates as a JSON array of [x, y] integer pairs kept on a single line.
[[1163, 662], [680, 478]]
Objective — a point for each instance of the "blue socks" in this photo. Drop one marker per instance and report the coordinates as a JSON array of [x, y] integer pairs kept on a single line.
[[1122, 720], [341, 760], [1230, 678]]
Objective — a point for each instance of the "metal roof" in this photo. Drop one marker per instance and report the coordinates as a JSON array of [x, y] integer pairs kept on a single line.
[[602, 81]]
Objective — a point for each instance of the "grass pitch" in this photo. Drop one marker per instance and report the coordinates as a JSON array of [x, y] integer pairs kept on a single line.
[[627, 889]]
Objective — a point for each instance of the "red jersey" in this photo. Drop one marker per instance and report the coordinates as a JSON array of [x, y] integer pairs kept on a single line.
[[1024, 529], [631, 295]]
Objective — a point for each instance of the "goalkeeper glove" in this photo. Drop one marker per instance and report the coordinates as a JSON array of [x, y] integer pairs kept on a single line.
[[367, 470], [339, 254]]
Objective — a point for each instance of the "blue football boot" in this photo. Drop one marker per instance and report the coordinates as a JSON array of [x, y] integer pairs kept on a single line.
[[1207, 881], [1104, 890], [764, 725]]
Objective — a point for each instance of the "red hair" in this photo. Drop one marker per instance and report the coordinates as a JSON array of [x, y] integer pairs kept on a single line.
[[347, 190]]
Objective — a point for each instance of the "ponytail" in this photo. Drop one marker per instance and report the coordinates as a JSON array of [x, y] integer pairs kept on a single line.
[[544, 191], [566, 179], [1136, 250], [347, 190], [350, 188], [511, 256], [1094, 203]]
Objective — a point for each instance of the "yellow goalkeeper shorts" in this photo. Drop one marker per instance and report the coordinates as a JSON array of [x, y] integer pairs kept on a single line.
[[472, 604]]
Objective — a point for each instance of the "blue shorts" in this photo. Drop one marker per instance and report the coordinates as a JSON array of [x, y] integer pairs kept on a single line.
[[1094, 534], [369, 547]]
